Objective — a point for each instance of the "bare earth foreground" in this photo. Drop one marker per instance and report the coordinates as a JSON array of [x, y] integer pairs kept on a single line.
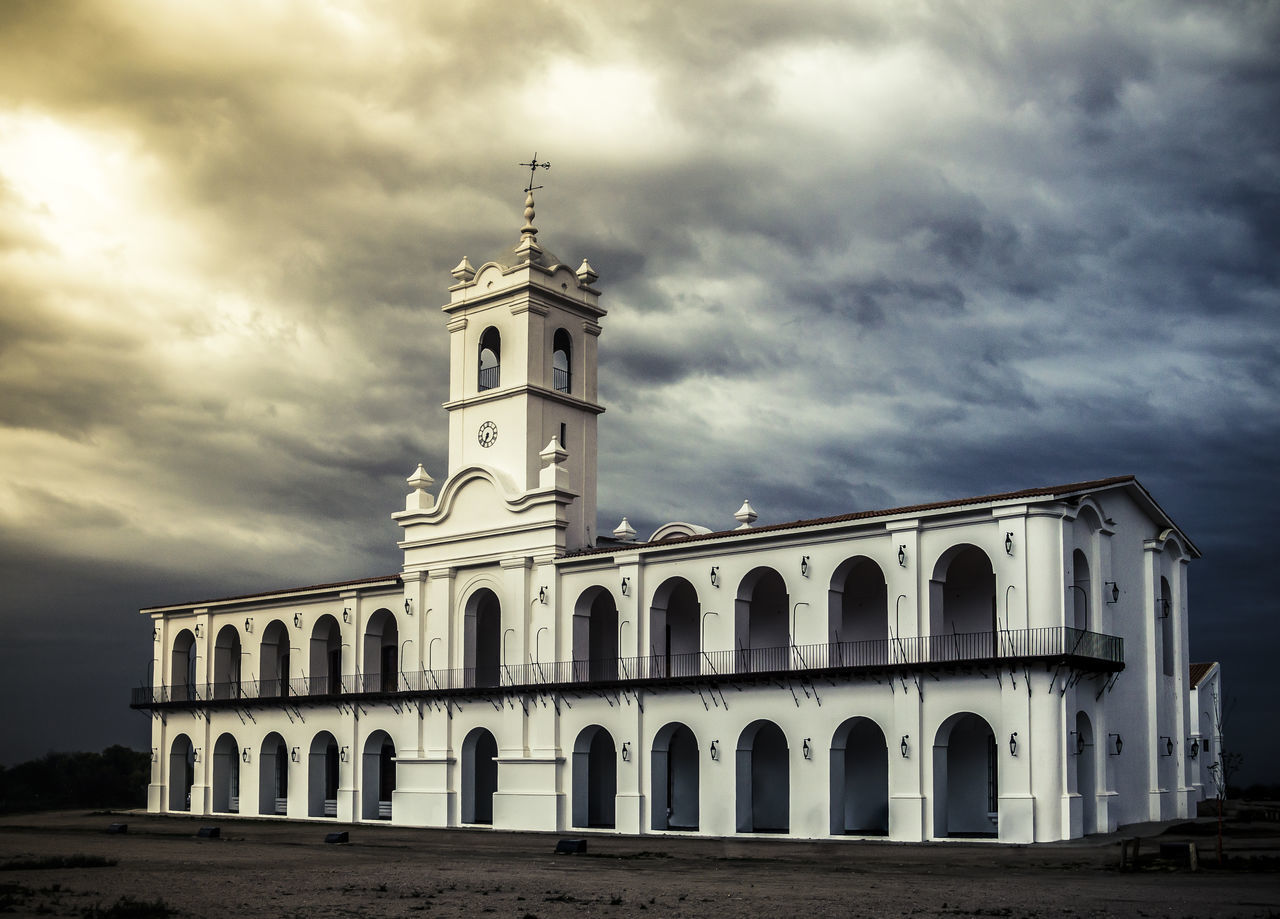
[[274, 868]]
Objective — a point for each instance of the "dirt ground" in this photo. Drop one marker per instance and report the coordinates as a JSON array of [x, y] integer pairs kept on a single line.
[[276, 868]]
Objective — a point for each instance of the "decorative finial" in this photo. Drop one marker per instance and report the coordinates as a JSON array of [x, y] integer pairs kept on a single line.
[[529, 229], [746, 515], [625, 531]]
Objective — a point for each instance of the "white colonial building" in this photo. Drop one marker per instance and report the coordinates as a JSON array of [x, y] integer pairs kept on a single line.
[[1011, 666]]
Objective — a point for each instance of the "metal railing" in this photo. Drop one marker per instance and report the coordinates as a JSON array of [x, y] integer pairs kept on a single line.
[[1075, 646], [559, 379], [489, 377]]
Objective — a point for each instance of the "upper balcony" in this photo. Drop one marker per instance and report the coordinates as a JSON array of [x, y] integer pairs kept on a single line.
[[1060, 645]]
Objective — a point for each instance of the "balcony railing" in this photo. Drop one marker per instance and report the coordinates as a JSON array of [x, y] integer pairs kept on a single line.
[[560, 379], [489, 377], [1076, 647]]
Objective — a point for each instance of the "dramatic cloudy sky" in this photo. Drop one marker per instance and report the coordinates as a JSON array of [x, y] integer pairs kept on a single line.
[[855, 254]]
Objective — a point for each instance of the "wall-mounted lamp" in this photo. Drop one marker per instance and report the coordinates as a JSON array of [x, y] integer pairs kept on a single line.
[[904, 746], [199, 630], [245, 756], [715, 576], [1013, 744], [344, 753], [297, 620], [1115, 743], [1079, 743], [1008, 544], [1168, 746], [806, 749], [248, 625], [155, 633], [542, 595], [346, 614], [1111, 589], [902, 556], [195, 758], [715, 750], [155, 755], [626, 751], [1162, 608], [804, 566], [626, 587], [1193, 748], [408, 607], [295, 755]]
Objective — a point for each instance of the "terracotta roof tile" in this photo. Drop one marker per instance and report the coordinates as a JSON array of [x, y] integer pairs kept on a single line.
[[1200, 671], [271, 593]]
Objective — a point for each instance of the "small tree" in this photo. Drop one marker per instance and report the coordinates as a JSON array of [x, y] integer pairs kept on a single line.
[[1227, 763]]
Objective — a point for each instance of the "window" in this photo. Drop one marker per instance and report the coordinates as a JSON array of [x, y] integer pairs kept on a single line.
[[490, 358], [562, 348]]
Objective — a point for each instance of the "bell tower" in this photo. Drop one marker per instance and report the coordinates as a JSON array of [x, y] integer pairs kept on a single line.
[[522, 370]]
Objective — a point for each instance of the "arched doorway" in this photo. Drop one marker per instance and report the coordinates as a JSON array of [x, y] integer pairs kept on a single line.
[[763, 779], [226, 775], [858, 614], [482, 637], [273, 660], [966, 787], [326, 657], [226, 663], [595, 636], [322, 776], [762, 627], [273, 776], [1086, 765], [859, 779], [182, 773], [479, 776], [595, 778], [377, 776], [381, 652], [182, 667], [674, 789], [962, 605], [674, 625], [1080, 591]]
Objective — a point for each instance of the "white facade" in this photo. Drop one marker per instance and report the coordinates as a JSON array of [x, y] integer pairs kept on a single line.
[[1012, 666]]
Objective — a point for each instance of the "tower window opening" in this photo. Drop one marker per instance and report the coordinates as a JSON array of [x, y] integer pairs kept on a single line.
[[563, 432], [562, 348], [490, 359]]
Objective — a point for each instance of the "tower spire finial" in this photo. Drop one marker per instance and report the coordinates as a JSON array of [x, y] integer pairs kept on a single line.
[[529, 230]]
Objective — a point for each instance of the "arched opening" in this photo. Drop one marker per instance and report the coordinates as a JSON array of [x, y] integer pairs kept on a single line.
[[326, 657], [226, 775], [479, 776], [273, 660], [490, 359], [761, 624], [859, 779], [1080, 590], [322, 776], [674, 626], [595, 636], [381, 652], [182, 773], [962, 605], [377, 776], [482, 637], [226, 663], [561, 361], [182, 667], [1085, 757], [674, 776], [763, 779], [1164, 610], [858, 613], [966, 787], [273, 776], [595, 778]]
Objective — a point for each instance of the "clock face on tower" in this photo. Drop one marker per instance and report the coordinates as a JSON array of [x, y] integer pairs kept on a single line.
[[487, 434]]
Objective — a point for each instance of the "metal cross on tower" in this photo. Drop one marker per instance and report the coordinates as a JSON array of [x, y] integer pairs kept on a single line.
[[534, 166]]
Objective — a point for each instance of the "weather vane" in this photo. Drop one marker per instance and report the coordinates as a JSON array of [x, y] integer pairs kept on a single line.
[[534, 166]]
